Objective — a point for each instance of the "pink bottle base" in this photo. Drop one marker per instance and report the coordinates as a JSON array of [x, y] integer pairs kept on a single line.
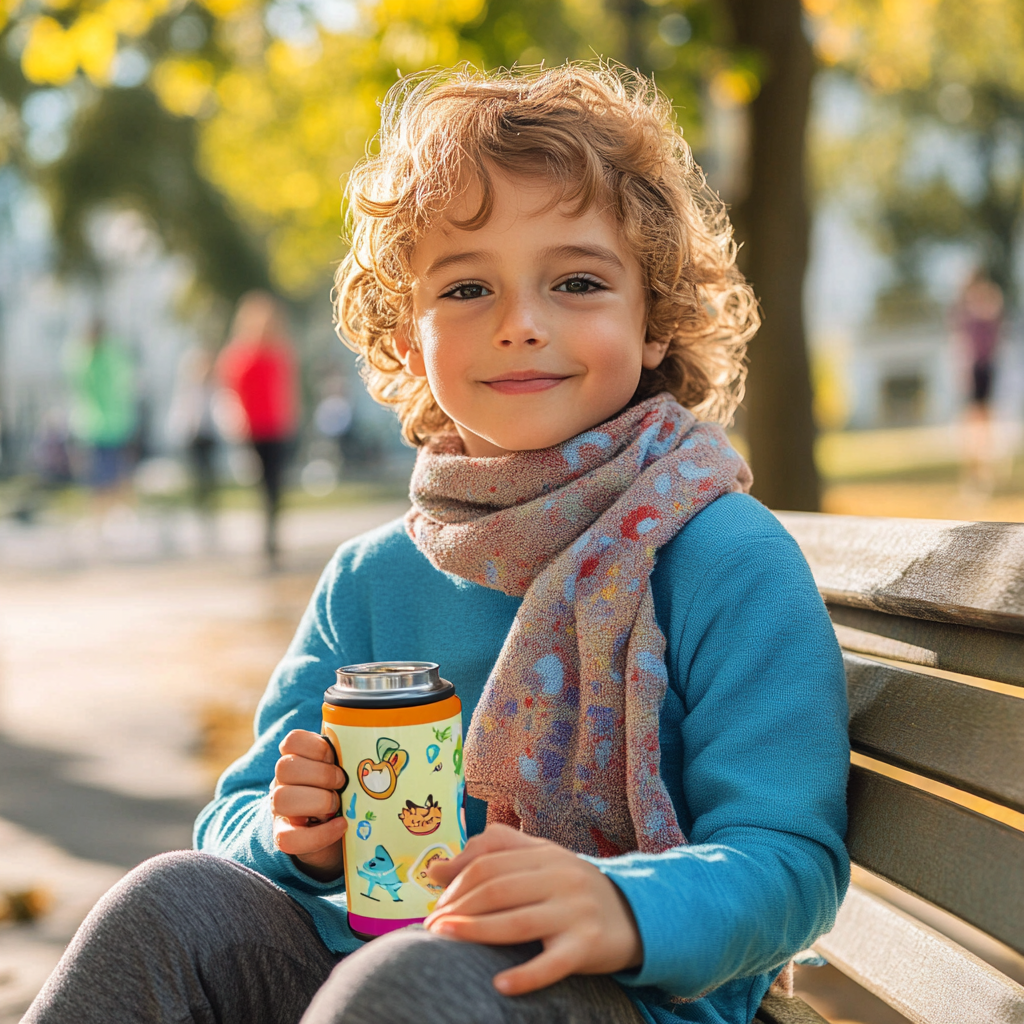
[[371, 927]]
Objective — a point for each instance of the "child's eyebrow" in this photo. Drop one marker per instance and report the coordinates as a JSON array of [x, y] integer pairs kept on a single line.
[[594, 252], [455, 258]]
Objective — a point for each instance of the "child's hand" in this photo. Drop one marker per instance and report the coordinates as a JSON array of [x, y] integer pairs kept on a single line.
[[506, 888], [304, 798]]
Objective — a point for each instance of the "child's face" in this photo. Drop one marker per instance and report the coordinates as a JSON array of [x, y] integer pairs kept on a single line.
[[530, 329]]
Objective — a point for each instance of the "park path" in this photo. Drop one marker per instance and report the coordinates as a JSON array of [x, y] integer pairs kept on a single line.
[[125, 687]]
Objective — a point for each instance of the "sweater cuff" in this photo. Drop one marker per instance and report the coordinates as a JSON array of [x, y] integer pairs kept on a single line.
[[641, 884]]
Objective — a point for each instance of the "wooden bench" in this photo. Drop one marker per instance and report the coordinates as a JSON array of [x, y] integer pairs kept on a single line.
[[930, 615]]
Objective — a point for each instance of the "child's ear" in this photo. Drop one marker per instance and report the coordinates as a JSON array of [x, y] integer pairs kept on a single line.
[[411, 356], [654, 353]]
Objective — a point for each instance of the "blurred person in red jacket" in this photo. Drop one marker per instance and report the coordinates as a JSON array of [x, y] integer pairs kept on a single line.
[[259, 365]]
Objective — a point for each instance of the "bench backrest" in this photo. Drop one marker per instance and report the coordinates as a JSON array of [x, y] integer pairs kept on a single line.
[[930, 615]]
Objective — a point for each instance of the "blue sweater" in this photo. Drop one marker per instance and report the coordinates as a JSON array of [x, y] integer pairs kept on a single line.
[[754, 749]]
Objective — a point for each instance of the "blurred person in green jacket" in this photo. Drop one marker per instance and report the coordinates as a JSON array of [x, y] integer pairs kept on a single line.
[[103, 413]]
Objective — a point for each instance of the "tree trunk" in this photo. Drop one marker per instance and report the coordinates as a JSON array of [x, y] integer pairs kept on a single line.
[[773, 227], [631, 48]]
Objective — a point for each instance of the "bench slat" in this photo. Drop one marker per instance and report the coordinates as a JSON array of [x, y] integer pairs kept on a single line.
[[967, 573], [922, 974], [969, 738], [786, 1010], [985, 653], [955, 858]]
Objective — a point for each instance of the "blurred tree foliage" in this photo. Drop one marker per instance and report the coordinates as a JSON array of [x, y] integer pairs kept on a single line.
[[229, 121], [268, 104], [943, 145]]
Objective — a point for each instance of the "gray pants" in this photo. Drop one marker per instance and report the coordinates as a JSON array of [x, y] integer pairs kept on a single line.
[[187, 937]]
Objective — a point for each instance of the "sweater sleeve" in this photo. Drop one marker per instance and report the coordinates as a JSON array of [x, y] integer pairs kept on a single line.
[[237, 824], [765, 760]]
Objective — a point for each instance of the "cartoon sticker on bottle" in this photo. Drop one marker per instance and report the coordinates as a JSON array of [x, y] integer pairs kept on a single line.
[[379, 778], [364, 828], [420, 871], [419, 819], [462, 812], [380, 871]]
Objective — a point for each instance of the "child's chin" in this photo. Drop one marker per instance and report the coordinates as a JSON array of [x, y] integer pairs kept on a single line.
[[527, 434], [533, 442]]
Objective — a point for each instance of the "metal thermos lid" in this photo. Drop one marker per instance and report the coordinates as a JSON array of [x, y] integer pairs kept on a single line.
[[391, 684]]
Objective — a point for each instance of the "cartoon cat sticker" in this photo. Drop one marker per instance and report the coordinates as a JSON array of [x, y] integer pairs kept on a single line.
[[421, 820], [380, 870], [379, 778]]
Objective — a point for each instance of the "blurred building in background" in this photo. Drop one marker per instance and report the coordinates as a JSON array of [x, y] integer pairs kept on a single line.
[[41, 315]]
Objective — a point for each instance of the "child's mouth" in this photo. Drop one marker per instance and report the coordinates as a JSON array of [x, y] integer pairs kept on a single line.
[[516, 384]]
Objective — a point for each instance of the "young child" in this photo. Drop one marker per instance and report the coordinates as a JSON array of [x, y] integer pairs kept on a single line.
[[543, 287]]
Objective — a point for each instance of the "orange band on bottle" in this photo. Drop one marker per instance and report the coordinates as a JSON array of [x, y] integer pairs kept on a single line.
[[418, 714]]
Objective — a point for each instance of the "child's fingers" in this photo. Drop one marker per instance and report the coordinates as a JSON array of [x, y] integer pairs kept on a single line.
[[505, 928], [485, 866], [495, 895], [293, 836], [295, 770], [304, 743], [562, 956], [493, 839], [304, 802]]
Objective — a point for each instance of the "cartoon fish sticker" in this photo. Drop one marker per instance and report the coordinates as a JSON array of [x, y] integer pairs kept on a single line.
[[380, 870], [379, 778]]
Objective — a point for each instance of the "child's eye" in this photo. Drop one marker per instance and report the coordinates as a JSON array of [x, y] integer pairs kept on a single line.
[[580, 286], [466, 290]]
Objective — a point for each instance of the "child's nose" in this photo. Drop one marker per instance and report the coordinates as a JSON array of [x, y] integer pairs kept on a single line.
[[520, 326]]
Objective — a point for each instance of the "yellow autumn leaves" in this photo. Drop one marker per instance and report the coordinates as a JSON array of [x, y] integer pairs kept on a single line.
[[285, 132], [906, 44], [53, 54], [281, 122], [289, 127]]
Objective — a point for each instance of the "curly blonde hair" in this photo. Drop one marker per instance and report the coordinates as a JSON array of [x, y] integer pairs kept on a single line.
[[598, 134]]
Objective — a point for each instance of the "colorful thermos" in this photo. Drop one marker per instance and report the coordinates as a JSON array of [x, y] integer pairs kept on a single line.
[[396, 728]]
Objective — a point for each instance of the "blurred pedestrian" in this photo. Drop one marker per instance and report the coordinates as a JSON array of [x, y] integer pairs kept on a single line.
[[192, 426], [103, 415], [979, 323], [51, 456], [333, 415], [258, 364]]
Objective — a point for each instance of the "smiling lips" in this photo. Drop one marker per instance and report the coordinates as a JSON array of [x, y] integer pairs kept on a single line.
[[523, 382]]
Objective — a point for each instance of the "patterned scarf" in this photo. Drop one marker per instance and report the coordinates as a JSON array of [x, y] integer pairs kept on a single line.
[[564, 741]]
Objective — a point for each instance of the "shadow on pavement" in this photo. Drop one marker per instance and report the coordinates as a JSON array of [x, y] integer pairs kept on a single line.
[[38, 794]]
